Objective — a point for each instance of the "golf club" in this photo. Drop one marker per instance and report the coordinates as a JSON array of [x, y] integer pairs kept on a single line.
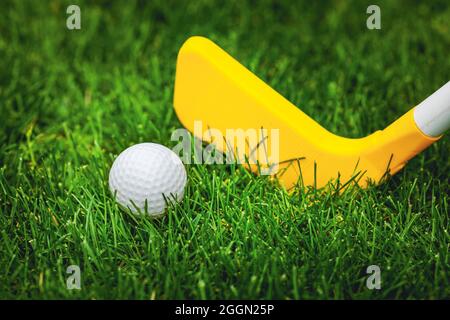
[[212, 87]]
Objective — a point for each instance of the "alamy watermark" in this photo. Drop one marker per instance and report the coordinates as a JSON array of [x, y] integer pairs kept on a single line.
[[74, 280], [255, 147], [374, 20], [73, 21], [374, 280]]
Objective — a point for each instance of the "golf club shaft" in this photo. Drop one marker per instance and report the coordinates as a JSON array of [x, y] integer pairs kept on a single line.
[[432, 116]]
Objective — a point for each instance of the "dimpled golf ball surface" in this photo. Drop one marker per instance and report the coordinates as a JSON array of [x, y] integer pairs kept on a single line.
[[143, 175]]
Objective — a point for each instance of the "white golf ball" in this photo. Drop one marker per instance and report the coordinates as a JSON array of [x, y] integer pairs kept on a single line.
[[145, 176]]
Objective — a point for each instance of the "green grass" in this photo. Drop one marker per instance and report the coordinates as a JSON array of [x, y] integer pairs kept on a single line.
[[70, 101]]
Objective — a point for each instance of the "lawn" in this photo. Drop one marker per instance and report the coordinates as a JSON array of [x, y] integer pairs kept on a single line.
[[72, 100]]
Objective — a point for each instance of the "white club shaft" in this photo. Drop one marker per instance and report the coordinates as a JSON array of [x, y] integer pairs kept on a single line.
[[432, 116]]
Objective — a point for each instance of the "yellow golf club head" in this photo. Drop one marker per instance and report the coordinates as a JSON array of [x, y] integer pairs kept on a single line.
[[214, 89]]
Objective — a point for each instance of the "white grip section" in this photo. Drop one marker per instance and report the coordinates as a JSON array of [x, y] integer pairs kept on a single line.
[[432, 116]]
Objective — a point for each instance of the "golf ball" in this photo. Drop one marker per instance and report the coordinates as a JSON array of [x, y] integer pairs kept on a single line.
[[145, 176]]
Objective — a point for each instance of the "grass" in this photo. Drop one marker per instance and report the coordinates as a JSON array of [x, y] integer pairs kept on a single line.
[[70, 101]]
